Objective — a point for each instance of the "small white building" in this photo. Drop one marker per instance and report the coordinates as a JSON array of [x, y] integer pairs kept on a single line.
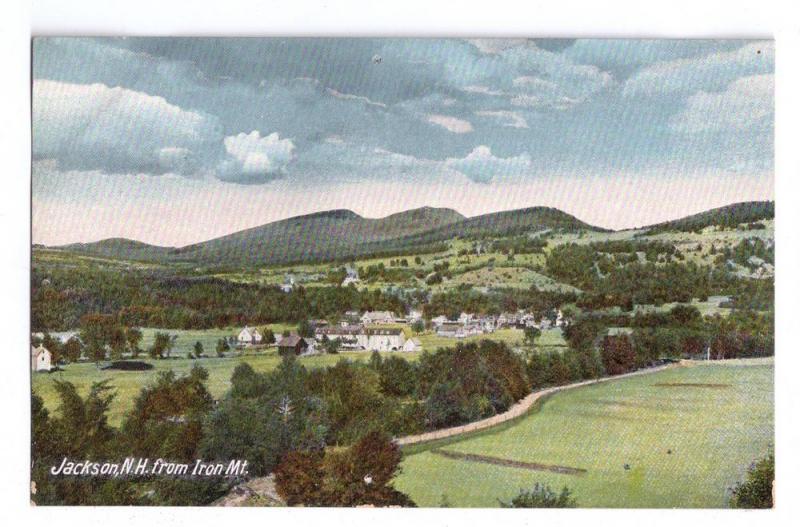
[[288, 283], [412, 345], [384, 339], [438, 321], [351, 276], [248, 336], [40, 359]]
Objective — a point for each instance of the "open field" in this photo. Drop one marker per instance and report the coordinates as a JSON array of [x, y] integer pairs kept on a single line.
[[431, 341], [687, 434], [129, 383]]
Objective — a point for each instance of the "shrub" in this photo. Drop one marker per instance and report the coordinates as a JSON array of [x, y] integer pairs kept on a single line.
[[541, 497], [756, 491]]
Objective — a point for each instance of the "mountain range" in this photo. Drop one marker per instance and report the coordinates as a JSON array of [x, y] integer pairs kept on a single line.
[[342, 234]]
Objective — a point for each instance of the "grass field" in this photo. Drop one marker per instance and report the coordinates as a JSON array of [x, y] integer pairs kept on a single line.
[[129, 383], [713, 433]]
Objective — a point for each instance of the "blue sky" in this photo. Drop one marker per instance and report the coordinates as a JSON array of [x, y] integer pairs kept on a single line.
[[173, 141]]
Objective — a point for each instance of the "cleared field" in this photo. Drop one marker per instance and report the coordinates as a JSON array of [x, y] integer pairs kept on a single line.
[[687, 434], [129, 383], [431, 341]]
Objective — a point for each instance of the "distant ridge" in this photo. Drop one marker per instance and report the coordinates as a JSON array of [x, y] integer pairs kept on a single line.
[[729, 216], [340, 234]]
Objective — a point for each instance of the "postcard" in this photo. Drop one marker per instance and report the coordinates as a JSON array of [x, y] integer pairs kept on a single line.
[[402, 272]]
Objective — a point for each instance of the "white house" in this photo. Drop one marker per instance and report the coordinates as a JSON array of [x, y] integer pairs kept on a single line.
[[384, 339], [249, 336], [351, 276], [288, 283], [40, 359], [412, 345], [438, 321], [465, 318], [450, 329], [377, 317]]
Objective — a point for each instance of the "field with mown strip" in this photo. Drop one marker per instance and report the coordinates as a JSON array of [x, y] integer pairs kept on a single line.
[[129, 383], [687, 434]]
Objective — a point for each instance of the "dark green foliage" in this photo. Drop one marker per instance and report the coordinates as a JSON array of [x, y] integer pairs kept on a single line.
[[360, 475], [756, 491], [729, 216], [263, 417], [541, 497], [617, 354], [167, 416], [470, 381]]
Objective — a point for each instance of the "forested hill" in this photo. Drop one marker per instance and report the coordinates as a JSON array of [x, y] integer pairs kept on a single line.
[[728, 216], [341, 234]]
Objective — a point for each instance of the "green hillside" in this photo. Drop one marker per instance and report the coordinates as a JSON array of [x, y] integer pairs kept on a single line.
[[728, 216]]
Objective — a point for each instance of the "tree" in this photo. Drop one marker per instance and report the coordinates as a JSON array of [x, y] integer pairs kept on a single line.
[[541, 497], [305, 330], [134, 337], [198, 349], [118, 342], [418, 326], [162, 345], [95, 332], [268, 336], [756, 491], [617, 354], [531, 334], [54, 346], [222, 347], [299, 478], [73, 349]]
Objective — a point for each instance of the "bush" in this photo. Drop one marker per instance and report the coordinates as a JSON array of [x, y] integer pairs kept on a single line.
[[756, 491], [541, 497]]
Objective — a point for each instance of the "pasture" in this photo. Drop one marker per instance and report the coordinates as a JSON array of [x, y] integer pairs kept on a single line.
[[686, 434]]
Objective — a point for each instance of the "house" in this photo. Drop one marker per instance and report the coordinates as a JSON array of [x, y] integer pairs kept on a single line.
[[293, 344], [40, 359], [450, 329], [288, 283], [377, 317], [311, 346], [412, 345], [248, 336], [414, 315], [465, 318], [438, 321], [351, 276], [384, 339]]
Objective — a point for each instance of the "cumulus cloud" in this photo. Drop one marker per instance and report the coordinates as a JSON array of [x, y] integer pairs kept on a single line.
[[492, 46], [708, 72], [505, 117], [255, 159], [746, 103], [482, 166], [97, 127], [452, 124]]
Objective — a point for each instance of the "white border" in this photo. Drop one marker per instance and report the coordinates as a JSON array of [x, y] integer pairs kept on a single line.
[[566, 18]]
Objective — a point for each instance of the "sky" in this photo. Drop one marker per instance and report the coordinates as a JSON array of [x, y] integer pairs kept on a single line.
[[173, 141]]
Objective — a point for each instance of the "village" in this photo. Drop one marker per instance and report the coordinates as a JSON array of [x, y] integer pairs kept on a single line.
[[381, 331]]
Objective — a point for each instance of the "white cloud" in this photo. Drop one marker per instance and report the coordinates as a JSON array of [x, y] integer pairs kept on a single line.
[[116, 129], [506, 117], [481, 166], [258, 157], [452, 124], [351, 97], [483, 90], [746, 103], [492, 46], [709, 72]]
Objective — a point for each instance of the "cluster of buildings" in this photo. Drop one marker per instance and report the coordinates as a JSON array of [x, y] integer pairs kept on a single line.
[[468, 324]]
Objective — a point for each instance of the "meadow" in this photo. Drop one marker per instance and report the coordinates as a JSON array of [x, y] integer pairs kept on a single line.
[[686, 435]]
